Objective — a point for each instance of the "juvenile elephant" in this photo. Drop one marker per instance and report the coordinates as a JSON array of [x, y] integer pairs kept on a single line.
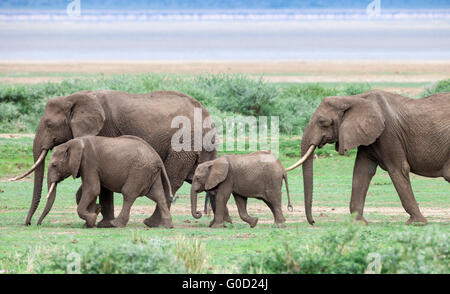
[[258, 175], [125, 164], [399, 134], [115, 113]]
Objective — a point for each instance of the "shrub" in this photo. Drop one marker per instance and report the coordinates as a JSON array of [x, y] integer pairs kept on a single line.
[[351, 250], [221, 94], [439, 87], [153, 256]]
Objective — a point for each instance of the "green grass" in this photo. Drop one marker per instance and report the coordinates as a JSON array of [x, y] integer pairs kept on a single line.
[[236, 248]]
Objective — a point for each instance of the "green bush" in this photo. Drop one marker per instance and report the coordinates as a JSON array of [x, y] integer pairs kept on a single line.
[[439, 87], [222, 94], [352, 250], [153, 256]]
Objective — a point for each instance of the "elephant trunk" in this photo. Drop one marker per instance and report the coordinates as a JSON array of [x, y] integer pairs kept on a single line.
[[50, 200], [308, 180], [38, 177], [195, 213]]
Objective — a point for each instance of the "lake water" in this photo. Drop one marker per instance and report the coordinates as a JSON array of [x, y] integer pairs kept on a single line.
[[224, 36]]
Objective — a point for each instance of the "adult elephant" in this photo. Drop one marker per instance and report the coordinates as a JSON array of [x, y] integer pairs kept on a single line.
[[113, 114], [399, 134]]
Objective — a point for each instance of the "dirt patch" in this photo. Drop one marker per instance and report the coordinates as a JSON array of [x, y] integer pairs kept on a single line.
[[265, 216], [273, 71], [16, 136], [351, 67]]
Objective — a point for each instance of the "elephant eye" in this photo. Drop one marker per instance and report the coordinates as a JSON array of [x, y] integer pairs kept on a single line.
[[324, 122]]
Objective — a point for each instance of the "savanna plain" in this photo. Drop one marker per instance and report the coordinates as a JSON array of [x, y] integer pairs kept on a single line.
[[289, 90]]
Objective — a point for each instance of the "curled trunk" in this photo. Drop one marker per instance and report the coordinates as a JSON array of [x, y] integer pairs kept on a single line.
[[195, 213], [50, 200]]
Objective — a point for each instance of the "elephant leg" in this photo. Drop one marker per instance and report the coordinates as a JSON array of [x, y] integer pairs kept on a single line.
[[363, 172], [106, 207], [89, 196], [178, 169], [222, 197], [446, 171], [400, 178], [124, 215], [241, 203], [277, 212], [163, 212], [79, 194], [212, 199]]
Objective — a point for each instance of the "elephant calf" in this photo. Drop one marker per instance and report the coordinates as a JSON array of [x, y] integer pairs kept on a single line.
[[258, 175], [125, 164]]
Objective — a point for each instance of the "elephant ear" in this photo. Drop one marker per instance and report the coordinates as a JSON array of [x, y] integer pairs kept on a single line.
[[362, 122], [217, 174], [87, 115], [75, 153]]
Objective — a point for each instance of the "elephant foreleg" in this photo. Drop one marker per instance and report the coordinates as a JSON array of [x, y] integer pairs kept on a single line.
[[212, 199], [222, 197], [92, 208], [363, 172], [107, 207]]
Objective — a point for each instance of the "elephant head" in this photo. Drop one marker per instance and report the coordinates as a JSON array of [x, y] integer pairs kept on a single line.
[[349, 122], [64, 118], [207, 176], [65, 161]]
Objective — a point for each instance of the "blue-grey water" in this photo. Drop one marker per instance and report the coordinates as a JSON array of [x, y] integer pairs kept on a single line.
[[224, 35]]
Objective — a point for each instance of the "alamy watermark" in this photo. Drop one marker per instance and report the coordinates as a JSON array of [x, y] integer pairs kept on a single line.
[[74, 265], [73, 9], [374, 8], [241, 133]]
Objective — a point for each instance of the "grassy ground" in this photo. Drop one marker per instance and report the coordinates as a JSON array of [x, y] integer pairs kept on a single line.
[[333, 244], [29, 249]]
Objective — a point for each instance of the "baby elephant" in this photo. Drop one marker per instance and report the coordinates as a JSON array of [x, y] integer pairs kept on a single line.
[[124, 164], [259, 175]]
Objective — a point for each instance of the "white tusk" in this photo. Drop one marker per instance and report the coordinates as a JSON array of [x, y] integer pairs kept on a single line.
[[41, 157], [52, 187], [300, 162]]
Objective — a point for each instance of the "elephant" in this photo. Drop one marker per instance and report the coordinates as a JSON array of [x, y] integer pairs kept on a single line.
[[125, 164], [111, 113], [399, 134], [258, 175]]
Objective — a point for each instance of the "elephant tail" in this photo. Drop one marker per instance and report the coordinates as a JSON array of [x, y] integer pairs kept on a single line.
[[289, 207], [167, 185]]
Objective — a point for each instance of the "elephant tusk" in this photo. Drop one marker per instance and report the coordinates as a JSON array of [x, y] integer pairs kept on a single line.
[[300, 162], [52, 187], [41, 157]]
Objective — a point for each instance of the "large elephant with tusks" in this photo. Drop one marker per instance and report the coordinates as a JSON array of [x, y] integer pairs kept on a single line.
[[399, 134], [113, 114]]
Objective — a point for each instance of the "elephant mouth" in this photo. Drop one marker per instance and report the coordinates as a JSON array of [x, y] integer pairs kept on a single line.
[[326, 140]]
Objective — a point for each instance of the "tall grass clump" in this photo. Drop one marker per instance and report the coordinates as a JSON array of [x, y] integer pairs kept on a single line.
[[192, 253]]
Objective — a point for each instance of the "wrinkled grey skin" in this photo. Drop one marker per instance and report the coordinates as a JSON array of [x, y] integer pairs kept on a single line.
[[257, 175], [113, 114], [399, 134], [126, 165]]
